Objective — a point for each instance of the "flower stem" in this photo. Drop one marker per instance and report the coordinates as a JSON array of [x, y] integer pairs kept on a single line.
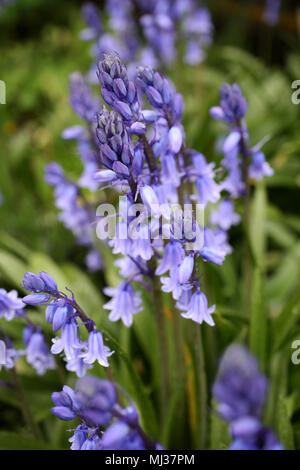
[[247, 265], [163, 351], [179, 344], [26, 410], [202, 387]]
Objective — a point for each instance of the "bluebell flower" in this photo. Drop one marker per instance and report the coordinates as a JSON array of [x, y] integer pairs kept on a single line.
[[129, 268], [119, 436], [141, 245], [117, 90], [37, 351], [185, 269], [58, 313], [232, 110], [94, 261], [115, 144], [121, 242], [197, 309], [8, 355], [179, 277], [150, 199], [10, 305], [233, 106], [160, 34], [203, 174], [163, 97], [92, 443], [36, 299], [95, 402], [97, 399], [233, 183], [76, 364], [169, 170], [215, 245], [79, 437], [69, 341], [240, 387], [264, 439], [76, 217], [259, 167], [73, 132], [39, 283], [172, 257], [241, 390], [96, 351], [62, 312], [124, 304], [198, 30], [91, 16], [272, 12], [66, 404], [81, 98], [224, 216]]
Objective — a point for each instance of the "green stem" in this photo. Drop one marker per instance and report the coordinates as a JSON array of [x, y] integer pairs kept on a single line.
[[163, 350], [247, 260], [26, 410], [202, 388], [179, 344]]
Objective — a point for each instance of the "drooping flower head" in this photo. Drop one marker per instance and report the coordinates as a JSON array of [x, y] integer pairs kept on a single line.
[[233, 105], [95, 402], [63, 312], [241, 390], [10, 305]]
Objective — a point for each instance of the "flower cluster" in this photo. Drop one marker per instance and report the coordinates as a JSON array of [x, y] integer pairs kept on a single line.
[[144, 151], [36, 350], [148, 32], [232, 110], [241, 389], [95, 402], [63, 313]]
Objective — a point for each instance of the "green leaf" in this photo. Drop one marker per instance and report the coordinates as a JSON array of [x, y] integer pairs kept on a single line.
[[286, 277], [15, 245], [12, 267], [141, 397], [278, 373], [13, 441], [87, 295], [281, 234], [282, 324], [171, 418], [219, 434], [42, 262], [284, 426], [68, 275], [257, 223], [258, 319], [144, 328]]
